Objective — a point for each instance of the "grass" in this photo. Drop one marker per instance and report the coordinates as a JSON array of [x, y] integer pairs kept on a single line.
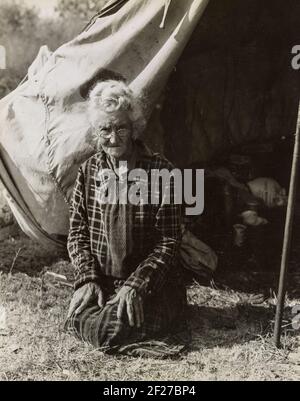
[[232, 339]]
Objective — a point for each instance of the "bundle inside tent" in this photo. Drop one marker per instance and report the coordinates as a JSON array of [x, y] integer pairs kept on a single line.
[[233, 84]]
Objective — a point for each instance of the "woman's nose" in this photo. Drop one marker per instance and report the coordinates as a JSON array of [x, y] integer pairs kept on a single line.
[[113, 138]]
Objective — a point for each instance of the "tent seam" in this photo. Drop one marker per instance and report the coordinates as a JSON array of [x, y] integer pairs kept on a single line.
[[47, 143]]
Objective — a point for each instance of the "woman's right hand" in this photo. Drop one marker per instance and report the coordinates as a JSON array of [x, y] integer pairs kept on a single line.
[[85, 295]]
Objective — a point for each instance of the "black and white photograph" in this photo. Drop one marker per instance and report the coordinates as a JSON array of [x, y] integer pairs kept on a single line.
[[149, 193]]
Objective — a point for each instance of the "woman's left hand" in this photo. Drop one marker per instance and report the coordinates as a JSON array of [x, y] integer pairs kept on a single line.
[[129, 300]]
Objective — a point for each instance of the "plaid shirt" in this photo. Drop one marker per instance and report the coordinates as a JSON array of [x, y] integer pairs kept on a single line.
[[156, 229]]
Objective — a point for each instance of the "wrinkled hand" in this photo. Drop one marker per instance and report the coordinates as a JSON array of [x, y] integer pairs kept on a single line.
[[131, 301], [268, 190], [83, 296]]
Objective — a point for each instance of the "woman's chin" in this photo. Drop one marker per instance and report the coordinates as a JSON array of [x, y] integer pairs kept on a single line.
[[116, 152]]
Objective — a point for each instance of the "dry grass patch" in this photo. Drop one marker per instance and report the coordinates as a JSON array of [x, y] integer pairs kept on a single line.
[[231, 338]]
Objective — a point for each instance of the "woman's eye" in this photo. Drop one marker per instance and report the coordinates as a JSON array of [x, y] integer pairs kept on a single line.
[[103, 132]]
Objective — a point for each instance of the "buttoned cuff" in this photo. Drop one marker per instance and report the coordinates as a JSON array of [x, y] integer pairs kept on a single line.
[[85, 278]]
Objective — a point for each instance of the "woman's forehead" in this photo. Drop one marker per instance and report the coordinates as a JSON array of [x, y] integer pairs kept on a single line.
[[118, 117]]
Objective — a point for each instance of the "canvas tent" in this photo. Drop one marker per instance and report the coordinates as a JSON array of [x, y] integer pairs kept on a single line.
[[44, 132], [45, 135]]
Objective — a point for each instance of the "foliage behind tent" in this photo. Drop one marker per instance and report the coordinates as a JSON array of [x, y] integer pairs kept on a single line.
[[23, 32]]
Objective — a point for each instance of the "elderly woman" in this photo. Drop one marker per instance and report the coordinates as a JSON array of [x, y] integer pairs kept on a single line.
[[128, 290]]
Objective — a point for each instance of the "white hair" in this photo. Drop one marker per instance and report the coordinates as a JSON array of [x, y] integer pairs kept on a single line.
[[111, 96]]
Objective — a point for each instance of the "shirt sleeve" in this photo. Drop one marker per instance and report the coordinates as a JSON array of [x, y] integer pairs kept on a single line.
[[152, 273], [79, 238]]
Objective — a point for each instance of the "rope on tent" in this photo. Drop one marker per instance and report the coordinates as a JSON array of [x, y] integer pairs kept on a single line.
[[163, 21], [109, 8]]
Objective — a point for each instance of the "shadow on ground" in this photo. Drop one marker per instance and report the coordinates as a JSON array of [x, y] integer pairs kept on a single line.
[[237, 325]]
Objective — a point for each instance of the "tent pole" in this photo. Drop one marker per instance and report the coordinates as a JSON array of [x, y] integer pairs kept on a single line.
[[287, 235]]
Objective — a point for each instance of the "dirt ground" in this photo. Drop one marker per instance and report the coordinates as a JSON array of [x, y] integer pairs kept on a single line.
[[232, 338]]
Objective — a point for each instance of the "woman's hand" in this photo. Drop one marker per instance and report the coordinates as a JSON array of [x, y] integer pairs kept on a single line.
[[131, 301], [83, 296]]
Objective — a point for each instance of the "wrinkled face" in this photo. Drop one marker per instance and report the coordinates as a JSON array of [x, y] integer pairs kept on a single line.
[[114, 133]]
